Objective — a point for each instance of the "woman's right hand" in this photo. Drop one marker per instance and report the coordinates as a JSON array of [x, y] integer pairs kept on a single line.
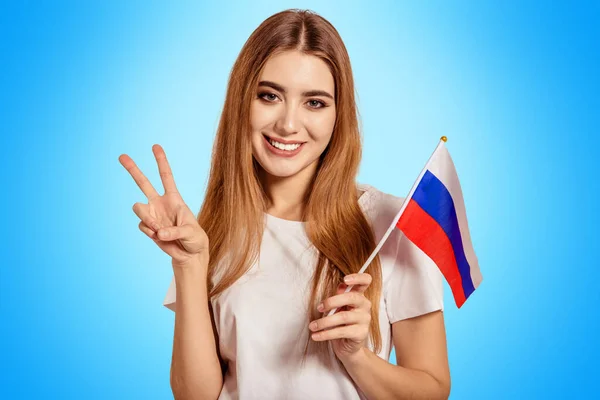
[[166, 219]]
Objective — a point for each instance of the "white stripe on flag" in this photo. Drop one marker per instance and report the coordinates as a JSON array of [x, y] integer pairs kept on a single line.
[[443, 168]]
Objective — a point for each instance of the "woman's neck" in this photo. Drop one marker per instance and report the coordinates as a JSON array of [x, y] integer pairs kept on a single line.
[[286, 196]]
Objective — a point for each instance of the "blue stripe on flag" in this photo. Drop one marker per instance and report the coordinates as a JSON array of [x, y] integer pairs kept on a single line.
[[434, 198]]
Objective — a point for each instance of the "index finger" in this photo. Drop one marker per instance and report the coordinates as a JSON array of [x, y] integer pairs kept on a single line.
[[138, 176], [358, 279], [164, 169]]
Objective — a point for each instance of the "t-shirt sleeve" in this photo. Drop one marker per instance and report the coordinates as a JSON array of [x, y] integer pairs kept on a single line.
[[414, 285], [171, 297]]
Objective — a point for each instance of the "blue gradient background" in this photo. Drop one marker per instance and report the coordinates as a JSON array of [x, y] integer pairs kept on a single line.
[[514, 86]]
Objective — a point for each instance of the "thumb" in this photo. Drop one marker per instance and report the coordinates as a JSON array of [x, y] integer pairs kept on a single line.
[[175, 232]]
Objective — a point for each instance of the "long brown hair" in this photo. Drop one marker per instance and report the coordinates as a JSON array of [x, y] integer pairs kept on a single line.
[[232, 213]]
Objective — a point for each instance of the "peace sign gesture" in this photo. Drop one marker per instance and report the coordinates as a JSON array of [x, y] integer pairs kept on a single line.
[[166, 219]]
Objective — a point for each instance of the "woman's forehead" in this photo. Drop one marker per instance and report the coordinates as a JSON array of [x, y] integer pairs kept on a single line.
[[297, 71]]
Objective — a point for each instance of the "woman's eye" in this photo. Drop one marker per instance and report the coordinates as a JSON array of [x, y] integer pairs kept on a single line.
[[316, 104], [268, 96]]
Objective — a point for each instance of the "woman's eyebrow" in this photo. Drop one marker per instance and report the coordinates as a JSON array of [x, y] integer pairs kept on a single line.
[[281, 89]]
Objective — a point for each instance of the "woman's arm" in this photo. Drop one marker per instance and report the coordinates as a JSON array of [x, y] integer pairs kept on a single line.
[[195, 368], [422, 371]]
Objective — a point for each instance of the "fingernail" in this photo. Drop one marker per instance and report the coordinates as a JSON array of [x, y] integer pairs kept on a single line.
[[313, 326], [320, 307], [348, 279], [164, 234]]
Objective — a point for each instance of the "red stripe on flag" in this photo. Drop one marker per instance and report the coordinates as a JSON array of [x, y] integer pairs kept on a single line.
[[421, 229]]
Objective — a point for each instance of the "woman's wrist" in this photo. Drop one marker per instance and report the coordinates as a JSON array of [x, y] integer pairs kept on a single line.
[[353, 360], [197, 266]]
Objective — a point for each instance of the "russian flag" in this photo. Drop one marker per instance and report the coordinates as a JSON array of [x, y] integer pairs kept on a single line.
[[433, 217]]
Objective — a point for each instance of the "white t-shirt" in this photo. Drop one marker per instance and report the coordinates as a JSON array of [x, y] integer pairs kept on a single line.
[[262, 318]]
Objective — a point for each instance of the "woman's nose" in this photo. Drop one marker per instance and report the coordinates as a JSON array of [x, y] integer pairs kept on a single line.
[[288, 122]]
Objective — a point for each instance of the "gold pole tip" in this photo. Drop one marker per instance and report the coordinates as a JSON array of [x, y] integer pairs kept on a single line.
[[444, 138]]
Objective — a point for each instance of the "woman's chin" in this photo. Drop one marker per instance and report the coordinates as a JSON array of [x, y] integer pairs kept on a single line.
[[282, 172]]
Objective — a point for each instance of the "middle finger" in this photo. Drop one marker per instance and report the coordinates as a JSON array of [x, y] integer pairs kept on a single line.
[[166, 175], [352, 299]]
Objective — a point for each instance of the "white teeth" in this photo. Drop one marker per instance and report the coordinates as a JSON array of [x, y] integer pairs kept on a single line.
[[281, 146]]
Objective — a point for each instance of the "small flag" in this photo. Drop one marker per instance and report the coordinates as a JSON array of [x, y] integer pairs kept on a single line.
[[434, 219]]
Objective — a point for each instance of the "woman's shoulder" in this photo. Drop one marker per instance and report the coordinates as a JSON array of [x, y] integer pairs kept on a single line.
[[380, 207]]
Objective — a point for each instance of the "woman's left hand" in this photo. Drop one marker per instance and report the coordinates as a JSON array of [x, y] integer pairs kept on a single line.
[[348, 328]]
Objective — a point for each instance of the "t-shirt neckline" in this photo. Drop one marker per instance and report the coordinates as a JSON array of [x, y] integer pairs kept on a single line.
[[367, 191]]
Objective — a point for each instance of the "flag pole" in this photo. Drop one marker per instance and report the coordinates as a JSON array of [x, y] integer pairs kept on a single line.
[[443, 139]]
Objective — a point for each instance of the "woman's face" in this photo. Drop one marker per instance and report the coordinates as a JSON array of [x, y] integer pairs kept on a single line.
[[293, 114]]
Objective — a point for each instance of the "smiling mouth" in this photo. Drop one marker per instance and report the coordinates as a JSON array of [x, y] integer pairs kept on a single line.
[[269, 139], [286, 151]]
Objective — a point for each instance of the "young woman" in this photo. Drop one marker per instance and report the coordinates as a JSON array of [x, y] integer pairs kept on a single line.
[[283, 229]]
